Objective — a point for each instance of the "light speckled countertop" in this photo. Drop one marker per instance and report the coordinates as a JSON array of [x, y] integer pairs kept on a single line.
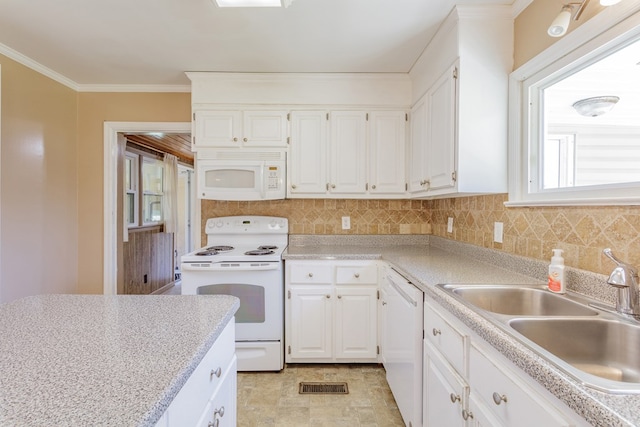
[[89, 360], [436, 260]]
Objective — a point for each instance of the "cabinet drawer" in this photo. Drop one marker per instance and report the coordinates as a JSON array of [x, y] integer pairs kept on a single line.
[[205, 379], [446, 338], [355, 274], [507, 397], [310, 273]]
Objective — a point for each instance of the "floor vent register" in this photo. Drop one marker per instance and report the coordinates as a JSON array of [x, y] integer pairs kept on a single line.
[[323, 388]]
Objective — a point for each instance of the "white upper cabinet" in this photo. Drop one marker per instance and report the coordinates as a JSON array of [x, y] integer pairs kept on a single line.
[[348, 152], [235, 129], [460, 91], [387, 141], [309, 151], [441, 139]]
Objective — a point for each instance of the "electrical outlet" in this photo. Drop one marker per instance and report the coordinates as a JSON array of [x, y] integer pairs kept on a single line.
[[497, 232], [346, 223], [450, 225]]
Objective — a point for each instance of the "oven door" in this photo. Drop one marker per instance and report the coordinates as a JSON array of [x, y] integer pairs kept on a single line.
[[259, 286]]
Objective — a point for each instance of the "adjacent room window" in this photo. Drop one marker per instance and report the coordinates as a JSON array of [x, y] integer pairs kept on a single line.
[[576, 139], [144, 190], [131, 188]]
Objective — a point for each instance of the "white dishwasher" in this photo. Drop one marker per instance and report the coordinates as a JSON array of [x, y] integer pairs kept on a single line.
[[401, 342]]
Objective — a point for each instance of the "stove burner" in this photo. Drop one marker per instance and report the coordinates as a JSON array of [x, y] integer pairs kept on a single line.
[[220, 248], [268, 247], [259, 252], [207, 252]]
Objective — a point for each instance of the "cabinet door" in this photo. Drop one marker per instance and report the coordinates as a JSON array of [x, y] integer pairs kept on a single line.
[[308, 165], [264, 129], [386, 152], [417, 162], [348, 152], [441, 125], [222, 409], [445, 393], [310, 322], [356, 322], [218, 129], [507, 397]]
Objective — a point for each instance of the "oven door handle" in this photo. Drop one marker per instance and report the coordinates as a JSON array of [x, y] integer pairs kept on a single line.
[[231, 266]]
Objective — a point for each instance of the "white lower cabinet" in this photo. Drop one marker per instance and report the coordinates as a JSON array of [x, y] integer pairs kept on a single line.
[[331, 311], [469, 383], [208, 398], [446, 391]]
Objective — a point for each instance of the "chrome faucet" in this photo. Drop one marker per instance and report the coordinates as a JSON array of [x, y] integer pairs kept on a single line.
[[625, 278]]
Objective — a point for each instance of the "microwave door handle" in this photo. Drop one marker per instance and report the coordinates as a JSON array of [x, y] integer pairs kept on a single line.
[[262, 181]]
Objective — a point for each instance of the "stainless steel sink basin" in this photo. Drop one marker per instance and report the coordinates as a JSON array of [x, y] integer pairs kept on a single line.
[[521, 301], [605, 348]]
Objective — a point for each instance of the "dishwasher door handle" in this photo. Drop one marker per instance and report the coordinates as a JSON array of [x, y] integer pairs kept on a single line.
[[401, 291]]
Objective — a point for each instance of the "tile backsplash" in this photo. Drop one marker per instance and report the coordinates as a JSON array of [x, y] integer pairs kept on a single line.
[[532, 232], [324, 216], [582, 231]]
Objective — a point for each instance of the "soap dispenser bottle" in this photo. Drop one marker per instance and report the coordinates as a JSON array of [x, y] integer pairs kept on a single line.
[[556, 273]]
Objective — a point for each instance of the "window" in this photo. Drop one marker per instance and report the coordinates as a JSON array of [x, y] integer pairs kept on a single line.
[[562, 154], [131, 188], [152, 190], [144, 190]]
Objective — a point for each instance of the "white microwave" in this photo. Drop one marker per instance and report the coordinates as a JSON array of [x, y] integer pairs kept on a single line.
[[241, 175]]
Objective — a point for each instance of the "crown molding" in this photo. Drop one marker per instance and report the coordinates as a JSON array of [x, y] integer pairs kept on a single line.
[[36, 66], [133, 88]]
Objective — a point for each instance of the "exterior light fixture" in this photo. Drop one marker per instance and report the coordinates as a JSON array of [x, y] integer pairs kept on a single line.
[[253, 3], [596, 106]]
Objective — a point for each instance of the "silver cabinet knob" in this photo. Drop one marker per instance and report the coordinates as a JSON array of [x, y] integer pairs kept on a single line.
[[219, 412], [293, 186], [436, 332], [454, 397], [499, 398], [356, 275], [373, 187], [333, 186], [310, 274], [235, 139], [215, 373], [467, 414], [328, 296], [245, 139], [339, 296], [384, 303], [214, 423]]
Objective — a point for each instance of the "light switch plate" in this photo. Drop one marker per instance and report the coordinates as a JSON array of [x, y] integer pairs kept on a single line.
[[346, 222], [497, 232], [450, 225]]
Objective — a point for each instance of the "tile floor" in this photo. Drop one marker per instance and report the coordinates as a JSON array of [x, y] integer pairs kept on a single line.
[[272, 398]]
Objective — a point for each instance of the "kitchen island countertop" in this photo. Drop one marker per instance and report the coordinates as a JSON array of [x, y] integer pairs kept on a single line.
[[102, 360]]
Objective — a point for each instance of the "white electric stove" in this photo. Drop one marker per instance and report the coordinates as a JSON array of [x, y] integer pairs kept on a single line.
[[243, 257]]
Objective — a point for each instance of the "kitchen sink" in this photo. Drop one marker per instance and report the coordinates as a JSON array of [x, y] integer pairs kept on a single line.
[[605, 348], [520, 300], [587, 341]]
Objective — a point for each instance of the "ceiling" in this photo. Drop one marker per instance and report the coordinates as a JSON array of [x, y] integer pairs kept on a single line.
[[153, 42], [178, 144]]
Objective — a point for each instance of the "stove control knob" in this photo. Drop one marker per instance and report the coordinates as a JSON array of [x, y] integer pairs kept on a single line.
[[219, 224]]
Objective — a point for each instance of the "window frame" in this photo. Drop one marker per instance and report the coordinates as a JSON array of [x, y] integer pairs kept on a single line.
[[139, 158], [135, 181], [586, 44]]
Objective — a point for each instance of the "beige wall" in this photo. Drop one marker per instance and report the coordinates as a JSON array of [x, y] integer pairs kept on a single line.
[[38, 184], [530, 27], [93, 110]]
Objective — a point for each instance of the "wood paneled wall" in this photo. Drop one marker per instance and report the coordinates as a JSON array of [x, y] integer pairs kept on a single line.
[[148, 261]]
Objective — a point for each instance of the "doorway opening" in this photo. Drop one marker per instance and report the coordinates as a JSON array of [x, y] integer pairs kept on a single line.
[[115, 228]]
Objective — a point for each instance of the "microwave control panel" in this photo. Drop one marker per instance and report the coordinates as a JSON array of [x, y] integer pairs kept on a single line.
[[273, 177]]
